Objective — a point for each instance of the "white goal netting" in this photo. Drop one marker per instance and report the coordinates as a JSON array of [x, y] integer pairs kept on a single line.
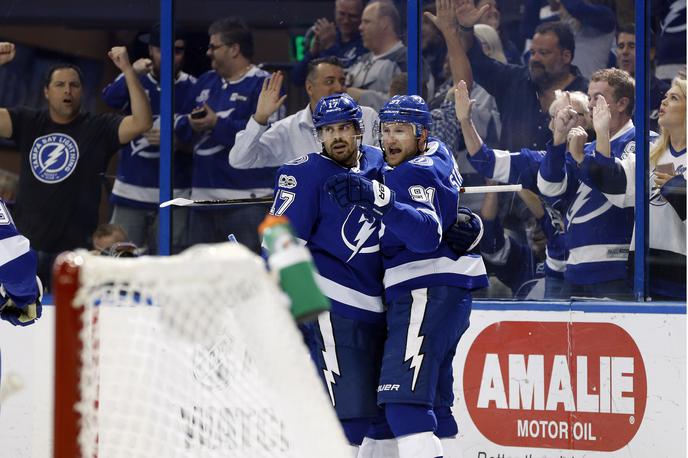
[[196, 355]]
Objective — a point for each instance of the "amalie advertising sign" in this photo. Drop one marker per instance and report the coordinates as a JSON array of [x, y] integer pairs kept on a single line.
[[575, 386]]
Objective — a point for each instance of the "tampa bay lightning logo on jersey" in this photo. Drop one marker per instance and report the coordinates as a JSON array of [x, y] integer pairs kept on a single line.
[[356, 232], [298, 160], [53, 157], [421, 160], [586, 206]]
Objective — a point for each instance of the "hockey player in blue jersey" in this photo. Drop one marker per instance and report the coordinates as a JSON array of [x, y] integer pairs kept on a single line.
[[348, 341], [136, 192], [220, 105], [20, 288], [597, 233], [427, 286]]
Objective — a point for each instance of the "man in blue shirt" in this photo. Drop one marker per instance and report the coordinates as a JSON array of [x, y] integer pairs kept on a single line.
[[136, 194], [220, 105], [524, 93]]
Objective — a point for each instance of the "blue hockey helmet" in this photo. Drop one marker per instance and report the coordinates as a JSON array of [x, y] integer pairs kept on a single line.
[[409, 109], [337, 108]]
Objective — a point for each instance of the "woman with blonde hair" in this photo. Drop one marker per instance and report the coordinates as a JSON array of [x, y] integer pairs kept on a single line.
[[667, 213]]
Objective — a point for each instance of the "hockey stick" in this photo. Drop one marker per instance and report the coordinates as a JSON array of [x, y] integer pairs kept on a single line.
[[496, 188], [181, 202]]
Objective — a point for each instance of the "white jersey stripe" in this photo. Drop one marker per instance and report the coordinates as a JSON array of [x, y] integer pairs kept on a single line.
[[466, 265], [13, 247], [597, 253], [549, 189], [348, 296], [502, 166], [144, 194]]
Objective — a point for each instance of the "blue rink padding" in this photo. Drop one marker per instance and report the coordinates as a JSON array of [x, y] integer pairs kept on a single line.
[[657, 308]]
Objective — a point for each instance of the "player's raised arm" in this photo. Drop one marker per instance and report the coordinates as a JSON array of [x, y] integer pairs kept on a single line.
[[140, 120], [7, 53]]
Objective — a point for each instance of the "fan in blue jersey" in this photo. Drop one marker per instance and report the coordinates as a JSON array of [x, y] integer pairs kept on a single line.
[[136, 192], [598, 234], [20, 288], [219, 106], [516, 263], [427, 286], [522, 167], [615, 179], [346, 343]]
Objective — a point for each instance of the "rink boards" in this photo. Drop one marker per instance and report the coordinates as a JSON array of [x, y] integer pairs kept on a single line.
[[531, 380]]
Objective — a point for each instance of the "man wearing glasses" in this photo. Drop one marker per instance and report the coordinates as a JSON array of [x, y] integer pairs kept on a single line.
[[135, 194], [220, 105]]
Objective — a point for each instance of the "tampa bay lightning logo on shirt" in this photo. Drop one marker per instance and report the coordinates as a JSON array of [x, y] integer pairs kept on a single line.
[[356, 230], [53, 157]]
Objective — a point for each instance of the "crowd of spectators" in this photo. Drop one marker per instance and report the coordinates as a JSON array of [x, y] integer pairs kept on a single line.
[[537, 100]]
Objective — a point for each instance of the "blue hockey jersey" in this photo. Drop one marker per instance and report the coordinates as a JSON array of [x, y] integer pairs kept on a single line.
[[344, 243], [137, 181], [17, 262], [598, 234], [234, 102], [427, 199], [522, 168]]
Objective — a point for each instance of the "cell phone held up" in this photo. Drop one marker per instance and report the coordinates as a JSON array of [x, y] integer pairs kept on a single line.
[[199, 114]]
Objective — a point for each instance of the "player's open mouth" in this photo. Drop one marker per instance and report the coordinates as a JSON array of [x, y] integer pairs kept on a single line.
[[394, 151]]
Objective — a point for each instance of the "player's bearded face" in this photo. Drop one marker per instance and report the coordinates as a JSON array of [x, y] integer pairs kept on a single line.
[[399, 142], [64, 93], [340, 142]]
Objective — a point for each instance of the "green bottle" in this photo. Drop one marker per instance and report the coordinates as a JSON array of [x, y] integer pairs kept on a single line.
[[294, 265]]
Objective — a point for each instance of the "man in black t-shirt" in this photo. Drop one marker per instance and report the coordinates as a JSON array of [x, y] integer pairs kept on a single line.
[[64, 153]]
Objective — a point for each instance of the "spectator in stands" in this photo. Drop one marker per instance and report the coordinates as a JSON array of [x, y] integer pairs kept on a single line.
[[592, 24], [434, 50], [521, 167], [524, 93], [340, 39], [106, 235], [220, 105], [671, 43], [518, 264], [625, 60], [486, 115], [136, 192], [260, 145], [492, 17], [64, 153], [616, 180], [598, 234], [369, 77]]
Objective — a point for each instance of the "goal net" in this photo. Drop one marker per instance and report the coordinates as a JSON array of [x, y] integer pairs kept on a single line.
[[194, 355]]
